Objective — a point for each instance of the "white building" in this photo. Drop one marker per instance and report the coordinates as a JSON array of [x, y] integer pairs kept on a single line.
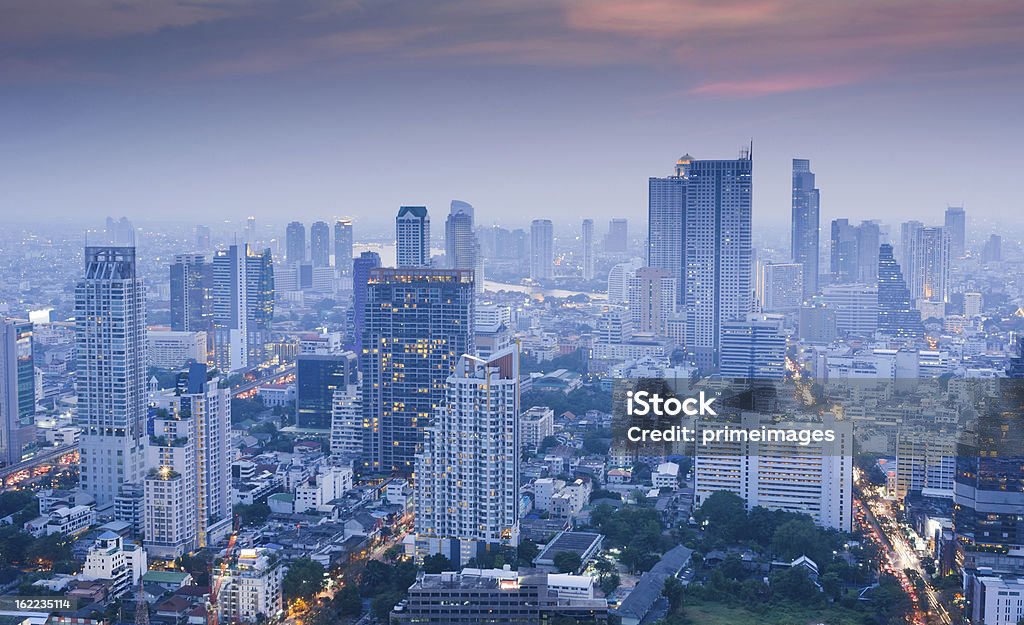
[[542, 253], [652, 300], [754, 348], [250, 587], [170, 514], [618, 280], [467, 475], [855, 306], [169, 349], [110, 558], [996, 600], [70, 521], [780, 286], [535, 425], [666, 475], [347, 421], [815, 479]]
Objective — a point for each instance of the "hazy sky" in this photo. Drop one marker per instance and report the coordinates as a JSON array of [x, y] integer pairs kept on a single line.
[[300, 109]]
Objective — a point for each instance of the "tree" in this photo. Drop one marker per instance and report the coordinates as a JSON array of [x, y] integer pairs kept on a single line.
[[526, 552], [793, 583], [568, 561], [304, 579], [722, 513], [608, 582], [49, 549], [256, 514], [437, 563], [383, 603], [348, 601]]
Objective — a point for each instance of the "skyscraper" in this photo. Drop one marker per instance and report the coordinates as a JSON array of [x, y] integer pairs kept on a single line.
[[418, 323], [805, 225], [587, 240], [993, 250], [295, 243], [17, 390], [243, 306], [617, 239], [666, 222], [925, 258], [854, 252], [467, 475], [360, 277], [754, 348], [191, 285], [412, 237], [542, 249], [110, 378], [780, 287], [718, 252], [317, 377], [343, 246], [461, 247], [896, 317], [956, 229], [250, 230], [652, 300], [320, 244]]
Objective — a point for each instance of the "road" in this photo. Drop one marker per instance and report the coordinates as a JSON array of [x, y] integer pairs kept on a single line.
[[899, 555]]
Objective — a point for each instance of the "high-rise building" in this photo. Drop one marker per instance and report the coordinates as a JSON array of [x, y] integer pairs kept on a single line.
[[317, 377], [343, 246], [412, 237], [925, 259], [17, 390], [618, 280], [956, 229], [896, 317], [250, 587], [652, 300], [110, 376], [925, 462], [250, 230], [587, 241], [780, 287], [814, 479], [295, 243], [120, 233], [843, 265], [462, 249], [187, 485], [542, 249], [805, 224], [666, 222], [993, 250], [855, 308], [418, 323], [320, 244], [243, 306], [202, 237], [718, 254], [347, 422], [191, 283], [617, 239], [360, 278], [467, 476], [754, 348]]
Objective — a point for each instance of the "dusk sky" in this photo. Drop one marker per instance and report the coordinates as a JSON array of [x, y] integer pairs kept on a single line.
[[302, 109]]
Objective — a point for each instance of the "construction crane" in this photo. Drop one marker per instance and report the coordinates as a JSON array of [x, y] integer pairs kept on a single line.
[[212, 609]]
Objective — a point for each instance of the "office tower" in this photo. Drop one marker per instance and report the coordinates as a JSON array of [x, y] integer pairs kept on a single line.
[[805, 226], [202, 237], [418, 323], [869, 237], [170, 349], [618, 280], [993, 250], [295, 243], [754, 348], [250, 586], [343, 246], [360, 278], [652, 300], [817, 323], [191, 282], [666, 222], [956, 229], [814, 479], [110, 376], [187, 485], [843, 266], [855, 307], [973, 304], [17, 390], [320, 244], [614, 326], [780, 287], [243, 306], [925, 462], [542, 249], [617, 239], [467, 476], [412, 237], [317, 377], [896, 317], [250, 230], [926, 251], [120, 233], [718, 254], [587, 240], [462, 249]]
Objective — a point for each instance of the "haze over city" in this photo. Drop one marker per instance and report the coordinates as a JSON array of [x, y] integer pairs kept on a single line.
[[172, 109]]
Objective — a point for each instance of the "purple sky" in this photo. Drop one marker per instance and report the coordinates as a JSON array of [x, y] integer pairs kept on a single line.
[[299, 109]]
